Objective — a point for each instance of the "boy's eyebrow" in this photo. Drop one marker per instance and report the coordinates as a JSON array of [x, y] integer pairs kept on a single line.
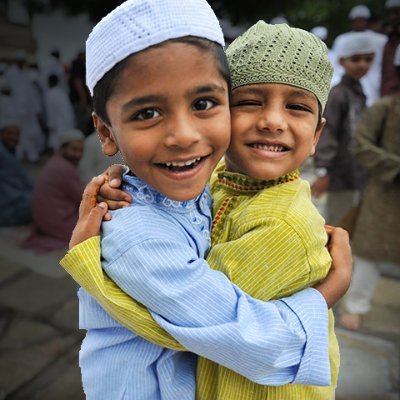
[[207, 88], [139, 101], [250, 90], [152, 98], [303, 93]]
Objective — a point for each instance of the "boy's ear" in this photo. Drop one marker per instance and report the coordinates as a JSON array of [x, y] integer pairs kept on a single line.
[[318, 134], [108, 144]]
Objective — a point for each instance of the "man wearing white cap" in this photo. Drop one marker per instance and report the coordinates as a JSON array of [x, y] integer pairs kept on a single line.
[[56, 196], [359, 17], [337, 171]]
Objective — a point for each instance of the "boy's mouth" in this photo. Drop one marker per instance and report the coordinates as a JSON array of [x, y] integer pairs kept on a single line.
[[277, 148], [181, 166]]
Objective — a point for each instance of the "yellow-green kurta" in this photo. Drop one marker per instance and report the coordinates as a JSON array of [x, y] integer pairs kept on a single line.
[[269, 239]]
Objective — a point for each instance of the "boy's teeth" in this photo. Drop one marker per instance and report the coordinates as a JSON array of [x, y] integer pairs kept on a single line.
[[275, 148], [182, 163]]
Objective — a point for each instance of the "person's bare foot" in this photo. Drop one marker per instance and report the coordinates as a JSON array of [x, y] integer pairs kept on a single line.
[[350, 321]]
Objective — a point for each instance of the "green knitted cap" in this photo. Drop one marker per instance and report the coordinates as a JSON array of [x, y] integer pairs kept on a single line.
[[281, 54]]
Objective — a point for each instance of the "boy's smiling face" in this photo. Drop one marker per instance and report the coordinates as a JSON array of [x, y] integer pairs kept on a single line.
[[170, 118], [273, 129]]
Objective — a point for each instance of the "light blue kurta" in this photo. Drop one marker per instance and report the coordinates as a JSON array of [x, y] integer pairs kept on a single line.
[[155, 250]]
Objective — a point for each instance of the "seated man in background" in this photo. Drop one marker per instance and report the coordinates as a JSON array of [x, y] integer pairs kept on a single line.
[[15, 184], [57, 195]]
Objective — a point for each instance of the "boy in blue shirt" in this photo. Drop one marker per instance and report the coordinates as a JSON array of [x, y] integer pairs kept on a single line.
[[171, 132]]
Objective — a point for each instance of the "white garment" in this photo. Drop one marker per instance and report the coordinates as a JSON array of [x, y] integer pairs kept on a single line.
[[366, 276], [53, 66], [27, 106], [60, 115], [371, 81], [8, 109]]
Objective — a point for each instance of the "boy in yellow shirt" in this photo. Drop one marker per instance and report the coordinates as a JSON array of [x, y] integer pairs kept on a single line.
[[267, 236]]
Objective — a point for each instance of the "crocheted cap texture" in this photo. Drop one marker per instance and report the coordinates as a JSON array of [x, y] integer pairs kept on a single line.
[[138, 24], [281, 54]]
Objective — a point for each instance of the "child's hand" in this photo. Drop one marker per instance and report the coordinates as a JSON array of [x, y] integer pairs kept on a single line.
[[91, 213], [109, 192], [335, 285]]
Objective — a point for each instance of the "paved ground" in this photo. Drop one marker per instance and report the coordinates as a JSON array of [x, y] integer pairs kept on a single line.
[[39, 338]]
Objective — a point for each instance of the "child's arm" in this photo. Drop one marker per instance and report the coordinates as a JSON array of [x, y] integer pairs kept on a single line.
[[282, 323], [335, 285]]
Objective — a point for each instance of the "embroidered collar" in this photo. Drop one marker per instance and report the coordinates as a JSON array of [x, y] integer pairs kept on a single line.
[[145, 194], [243, 183]]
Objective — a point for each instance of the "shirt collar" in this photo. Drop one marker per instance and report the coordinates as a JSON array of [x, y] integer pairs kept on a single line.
[[145, 194]]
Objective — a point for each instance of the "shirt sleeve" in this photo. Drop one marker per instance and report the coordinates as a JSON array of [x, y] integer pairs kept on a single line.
[[282, 273], [82, 262], [209, 315]]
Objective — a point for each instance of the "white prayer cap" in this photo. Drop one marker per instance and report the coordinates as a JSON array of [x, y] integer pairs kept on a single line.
[[392, 3], [320, 32], [396, 59], [360, 11], [71, 135], [136, 25], [356, 43]]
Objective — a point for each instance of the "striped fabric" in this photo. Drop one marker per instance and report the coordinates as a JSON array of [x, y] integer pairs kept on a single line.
[[266, 342], [271, 243]]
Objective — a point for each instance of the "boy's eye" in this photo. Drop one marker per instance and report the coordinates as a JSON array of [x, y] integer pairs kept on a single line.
[[148, 113], [299, 107], [204, 104], [241, 103]]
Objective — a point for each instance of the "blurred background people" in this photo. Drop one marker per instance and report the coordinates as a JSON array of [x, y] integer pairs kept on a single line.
[[79, 94], [376, 240], [8, 108], [56, 196], [390, 81], [94, 162], [15, 185], [338, 173], [359, 18], [59, 111], [27, 106]]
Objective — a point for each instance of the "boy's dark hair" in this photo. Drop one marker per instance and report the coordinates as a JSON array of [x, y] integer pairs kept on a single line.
[[106, 85]]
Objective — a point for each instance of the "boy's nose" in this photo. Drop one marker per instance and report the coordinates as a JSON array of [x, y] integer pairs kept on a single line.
[[182, 132], [271, 121]]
